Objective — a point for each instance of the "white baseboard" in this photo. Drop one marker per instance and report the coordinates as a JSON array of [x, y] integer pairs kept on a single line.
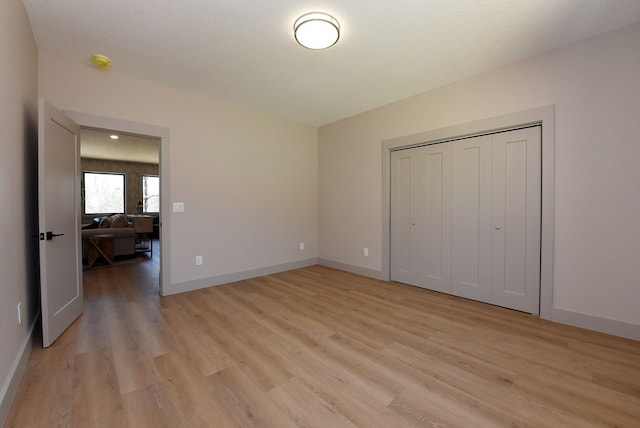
[[371, 273], [198, 284], [602, 325], [12, 382]]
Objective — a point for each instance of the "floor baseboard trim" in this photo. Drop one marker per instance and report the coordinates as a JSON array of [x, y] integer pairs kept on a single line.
[[602, 325], [12, 382], [213, 281], [371, 273]]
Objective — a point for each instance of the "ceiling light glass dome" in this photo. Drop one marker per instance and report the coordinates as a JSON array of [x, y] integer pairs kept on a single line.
[[316, 30]]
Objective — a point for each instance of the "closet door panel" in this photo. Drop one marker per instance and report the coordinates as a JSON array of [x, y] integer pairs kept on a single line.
[[403, 209], [516, 217], [434, 218], [471, 219]]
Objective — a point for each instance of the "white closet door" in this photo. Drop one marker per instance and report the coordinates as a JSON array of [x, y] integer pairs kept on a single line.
[[433, 225], [515, 271], [404, 245], [465, 218], [421, 217], [471, 220]]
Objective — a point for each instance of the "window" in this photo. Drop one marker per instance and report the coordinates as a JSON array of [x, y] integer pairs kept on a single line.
[[103, 193], [150, 193]]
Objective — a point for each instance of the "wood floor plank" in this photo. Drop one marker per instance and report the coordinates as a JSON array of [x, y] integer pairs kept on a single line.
[[152, 406], [96, 396], [363, 403], [245, 399], [198, 347], [584, 399], [46, 389], [275, 315], [318, 347], [93, 333], [234, 332], [474, 397], [133, 360], [194, 398], [305, 408]]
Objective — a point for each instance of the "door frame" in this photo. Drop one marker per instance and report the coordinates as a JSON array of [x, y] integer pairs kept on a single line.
[[162, 133], [544, 116]]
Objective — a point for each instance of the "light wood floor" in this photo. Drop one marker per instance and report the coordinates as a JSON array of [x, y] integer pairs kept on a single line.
[[317, 347]]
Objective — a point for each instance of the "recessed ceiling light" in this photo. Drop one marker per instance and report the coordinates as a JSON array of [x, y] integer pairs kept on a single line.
[[114, 137], [316, 30]]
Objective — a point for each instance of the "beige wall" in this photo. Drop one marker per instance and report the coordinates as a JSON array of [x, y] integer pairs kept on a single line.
[[18, 192], [595, 87], [248, 180]]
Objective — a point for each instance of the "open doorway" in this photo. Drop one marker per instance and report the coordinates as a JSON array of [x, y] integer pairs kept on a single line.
[[90, 121], [121, 196]]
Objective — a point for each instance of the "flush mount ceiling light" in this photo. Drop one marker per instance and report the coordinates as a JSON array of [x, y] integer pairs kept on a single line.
[[316, 30], [113, 137]]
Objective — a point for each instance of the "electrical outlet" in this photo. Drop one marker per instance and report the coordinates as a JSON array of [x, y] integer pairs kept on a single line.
[[20, 313], [366, 252], [302, 245], [198, 260]]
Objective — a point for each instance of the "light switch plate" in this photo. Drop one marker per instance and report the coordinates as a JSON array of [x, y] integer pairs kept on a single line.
[[178, 207]]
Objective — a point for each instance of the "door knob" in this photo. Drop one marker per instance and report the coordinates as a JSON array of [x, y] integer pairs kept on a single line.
[[498, 227], [413, 223]]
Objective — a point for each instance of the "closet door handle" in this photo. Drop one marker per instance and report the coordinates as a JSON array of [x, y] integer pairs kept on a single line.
[[498, 227]]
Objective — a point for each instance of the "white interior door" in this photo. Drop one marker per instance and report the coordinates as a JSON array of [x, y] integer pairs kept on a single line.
[[515, 270], [59, 221], [471, 221]]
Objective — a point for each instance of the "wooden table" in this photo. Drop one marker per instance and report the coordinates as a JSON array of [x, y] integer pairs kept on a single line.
[[100, 246]]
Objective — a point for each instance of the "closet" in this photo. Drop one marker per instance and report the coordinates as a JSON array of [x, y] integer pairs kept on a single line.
[[465, 217]]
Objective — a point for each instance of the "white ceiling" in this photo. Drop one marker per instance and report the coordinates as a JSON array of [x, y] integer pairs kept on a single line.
[[98, 144], [244, 52]]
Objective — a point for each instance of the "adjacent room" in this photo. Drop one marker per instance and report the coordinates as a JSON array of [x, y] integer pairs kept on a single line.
[[214, 217], [120, 178]]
